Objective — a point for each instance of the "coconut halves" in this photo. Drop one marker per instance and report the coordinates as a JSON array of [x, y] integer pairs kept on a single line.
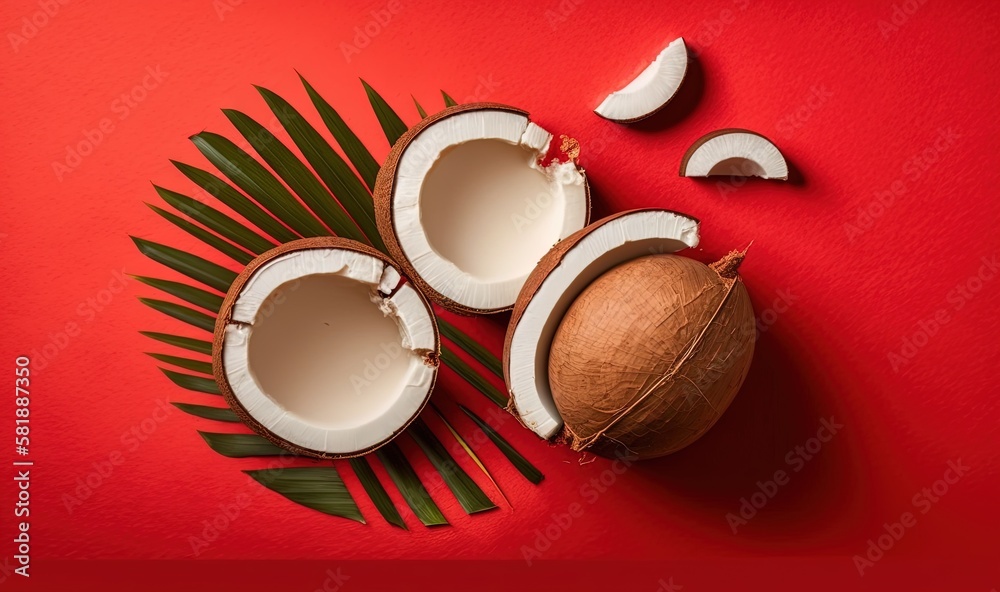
[[467, 202], [618, 346], [321, 348]]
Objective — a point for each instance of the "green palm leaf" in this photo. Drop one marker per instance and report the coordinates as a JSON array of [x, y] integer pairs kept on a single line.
[[331, 168], [319, 488], [196, 296], [225, 193], [206, 412], [181, 313], [241, 445], [472, 377], [196, 268], [468, 494], [226, 248], [448, 101], [196, 345], [296, 175], [409, 485], [251, 176], [523, 465], [392, 125], [186, 363], [468, 450], [420, 110], [356, 152], [477, 351], [216, 221], [193, 383], [377, 493]]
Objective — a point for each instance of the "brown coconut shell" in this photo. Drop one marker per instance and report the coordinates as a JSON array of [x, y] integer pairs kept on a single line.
[[546, 266], [651, 354], [383, 194], [729, 130], [225, 318]]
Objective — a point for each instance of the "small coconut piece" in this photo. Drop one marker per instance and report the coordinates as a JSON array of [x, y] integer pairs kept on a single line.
[[321, 348], [651, 354], [651, 90], [734, 152], [557, 280], [466, 206]]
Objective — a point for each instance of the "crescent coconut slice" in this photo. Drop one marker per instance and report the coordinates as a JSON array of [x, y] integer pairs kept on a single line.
[[734, 153], [651, 90]]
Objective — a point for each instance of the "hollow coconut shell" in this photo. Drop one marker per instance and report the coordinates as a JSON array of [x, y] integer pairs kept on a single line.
[[649, 355], [383, 196], [224, 319]]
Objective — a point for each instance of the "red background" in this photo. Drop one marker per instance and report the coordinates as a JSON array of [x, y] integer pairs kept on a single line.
[[883, 95]]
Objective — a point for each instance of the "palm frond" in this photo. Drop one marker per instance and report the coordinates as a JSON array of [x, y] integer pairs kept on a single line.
[[193, 383], [216, 221], [241, 445], [376, 493], [196, 296], [196, 345], [196, 268], [207, 412], [319, 488], [392, 125], [181, 313], [402, 474], [469, 495], [448, 101], [226, 248], [185, 363], [466, 371], [523, 465]]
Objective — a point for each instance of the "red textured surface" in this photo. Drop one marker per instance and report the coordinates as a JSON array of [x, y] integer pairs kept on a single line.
[[858, 108]]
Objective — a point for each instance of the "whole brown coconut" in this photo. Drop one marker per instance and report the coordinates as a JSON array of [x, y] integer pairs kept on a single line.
[[650, 354]]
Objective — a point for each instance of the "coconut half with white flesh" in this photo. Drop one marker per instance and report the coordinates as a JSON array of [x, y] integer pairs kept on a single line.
[[651, 90], [734, 153], [466, 206], [566, 271], [323, 349]]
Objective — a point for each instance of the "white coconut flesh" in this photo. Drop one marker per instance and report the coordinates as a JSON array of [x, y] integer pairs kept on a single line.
[[325, 352], [613, 242], [474, 211], [651, 89], [736, 153]]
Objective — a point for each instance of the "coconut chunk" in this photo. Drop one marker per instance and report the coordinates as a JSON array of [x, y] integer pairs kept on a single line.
[[466, 208], [322, 351], [562, 275], [651, 89], [734, 153]]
